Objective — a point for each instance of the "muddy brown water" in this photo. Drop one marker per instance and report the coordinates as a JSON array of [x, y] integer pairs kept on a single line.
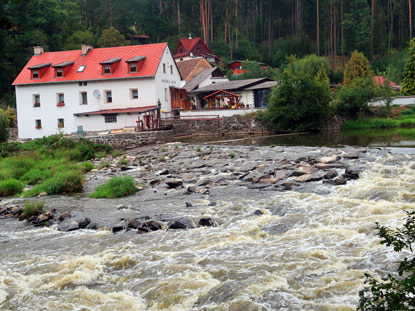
[[308, 251]]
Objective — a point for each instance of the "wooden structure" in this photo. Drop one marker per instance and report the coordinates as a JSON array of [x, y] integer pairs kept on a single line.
[[179, 99], [222, 100]]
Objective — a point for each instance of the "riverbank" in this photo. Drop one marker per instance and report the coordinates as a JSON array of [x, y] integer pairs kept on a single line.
[[264, 232]]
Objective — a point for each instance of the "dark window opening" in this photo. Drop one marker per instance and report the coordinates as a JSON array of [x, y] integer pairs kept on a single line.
[[133, 67], [108, 95], [110, 118], [107, 69], [38, 124], [61, 123], [84, 98]]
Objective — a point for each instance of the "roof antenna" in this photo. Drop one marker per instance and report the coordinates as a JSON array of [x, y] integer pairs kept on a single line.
[[190, 36]]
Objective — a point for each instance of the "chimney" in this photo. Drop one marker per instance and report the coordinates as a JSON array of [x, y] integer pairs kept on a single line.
[[37, 49], [190, 36], [85, 48]]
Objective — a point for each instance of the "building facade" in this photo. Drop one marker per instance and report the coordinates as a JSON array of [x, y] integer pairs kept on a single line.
[[94, 89]]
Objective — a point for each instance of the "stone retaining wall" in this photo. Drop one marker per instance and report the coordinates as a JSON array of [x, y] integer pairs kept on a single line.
[[333, 124], [133, 139], [236, 124]]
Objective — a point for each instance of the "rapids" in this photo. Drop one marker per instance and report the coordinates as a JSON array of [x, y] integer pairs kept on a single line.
[[308, 251]]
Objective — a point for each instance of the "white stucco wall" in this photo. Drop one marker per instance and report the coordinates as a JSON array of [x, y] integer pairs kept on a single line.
[[166, 80], [49, 113], [401, 101]]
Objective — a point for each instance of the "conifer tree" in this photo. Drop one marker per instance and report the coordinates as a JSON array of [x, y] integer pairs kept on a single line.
[[408, 85], [111, 37], [357, 67]]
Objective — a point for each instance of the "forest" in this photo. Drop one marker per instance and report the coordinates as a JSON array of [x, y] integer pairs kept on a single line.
[[268, 31]]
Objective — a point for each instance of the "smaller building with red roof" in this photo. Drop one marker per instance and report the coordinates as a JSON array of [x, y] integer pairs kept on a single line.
[[194, 47], [382, 81], [94, 89]]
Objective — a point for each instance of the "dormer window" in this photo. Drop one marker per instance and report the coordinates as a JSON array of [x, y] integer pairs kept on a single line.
[[37, 71], [133, 67], [109, 66], [62, 69], [135, 63]]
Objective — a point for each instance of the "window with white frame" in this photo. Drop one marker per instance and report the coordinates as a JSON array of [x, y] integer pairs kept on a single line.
[[60, 99], [36, 100], [84, 98], [108, 97], [134, 94]]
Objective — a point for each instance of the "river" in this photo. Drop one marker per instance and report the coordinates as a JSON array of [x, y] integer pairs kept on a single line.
[[307, 251]]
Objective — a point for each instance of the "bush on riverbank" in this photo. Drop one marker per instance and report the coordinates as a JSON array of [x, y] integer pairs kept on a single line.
[[116, 187], [49, 163], [10, 187]]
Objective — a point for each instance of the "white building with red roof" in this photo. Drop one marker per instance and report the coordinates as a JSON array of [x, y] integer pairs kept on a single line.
[[94, 89]]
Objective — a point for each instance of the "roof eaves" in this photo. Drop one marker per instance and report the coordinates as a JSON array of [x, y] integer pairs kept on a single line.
[[135, 59], [64, 64], [110, 61], [40, 66]]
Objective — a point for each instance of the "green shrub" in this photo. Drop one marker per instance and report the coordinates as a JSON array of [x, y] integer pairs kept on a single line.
[[4, 125], [123, 161], [354, 97], [35, 175], [116, 153], [116, 187], [86, 167], [100, 154], [65, 182], [103, 164], [198, 149], [231, 155], [32, 207], [10, 187]]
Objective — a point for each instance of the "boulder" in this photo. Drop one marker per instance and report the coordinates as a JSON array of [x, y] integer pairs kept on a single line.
[[16, 210], [303, 170], [64, 216], [142, 230], [335, 182], [330, 174], [351, 155], [133, 223], [181, 223], [120, 227], [206, 222], [174, 183], [188, 204], [258, 212], [328, 159], [152, 225], [68, 226], [351, 173], [308, 178], [84, 223]]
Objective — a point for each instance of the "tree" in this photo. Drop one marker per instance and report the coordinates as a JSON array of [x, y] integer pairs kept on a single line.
[[111, 37], [408, 85], [299, 102], [4, 124], [357, 67], [397, 290], [77, 38]]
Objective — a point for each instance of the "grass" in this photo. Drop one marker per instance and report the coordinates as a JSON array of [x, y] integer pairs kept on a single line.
[[32, 207], [231, 155], [406, 118], [198, 149], [49, 163], [116, 153], [116, 187], [103, 165], [123, 161], [10, 187]]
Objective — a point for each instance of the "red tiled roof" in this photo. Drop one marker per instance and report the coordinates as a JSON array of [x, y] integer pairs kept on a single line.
[[93, 69], [186, 67], [381, 81], [124, 110], [189, 44]]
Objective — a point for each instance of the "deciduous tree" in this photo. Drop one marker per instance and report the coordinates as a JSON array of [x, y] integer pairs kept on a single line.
[[408, 85]]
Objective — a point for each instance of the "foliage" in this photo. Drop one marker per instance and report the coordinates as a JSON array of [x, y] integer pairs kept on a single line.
[[86, 166], [103, 164], [10, 187], [284, 48], [111, 37], [75, 40], [116, 187], [32, 207], [48, 163], [300, 102], [64, 182], [397, 290], [4, 124], [391, 66], [123, 161], [353, 98], [310, 64], [408, 84], [116, 153], [253, 70], [357, 67]]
